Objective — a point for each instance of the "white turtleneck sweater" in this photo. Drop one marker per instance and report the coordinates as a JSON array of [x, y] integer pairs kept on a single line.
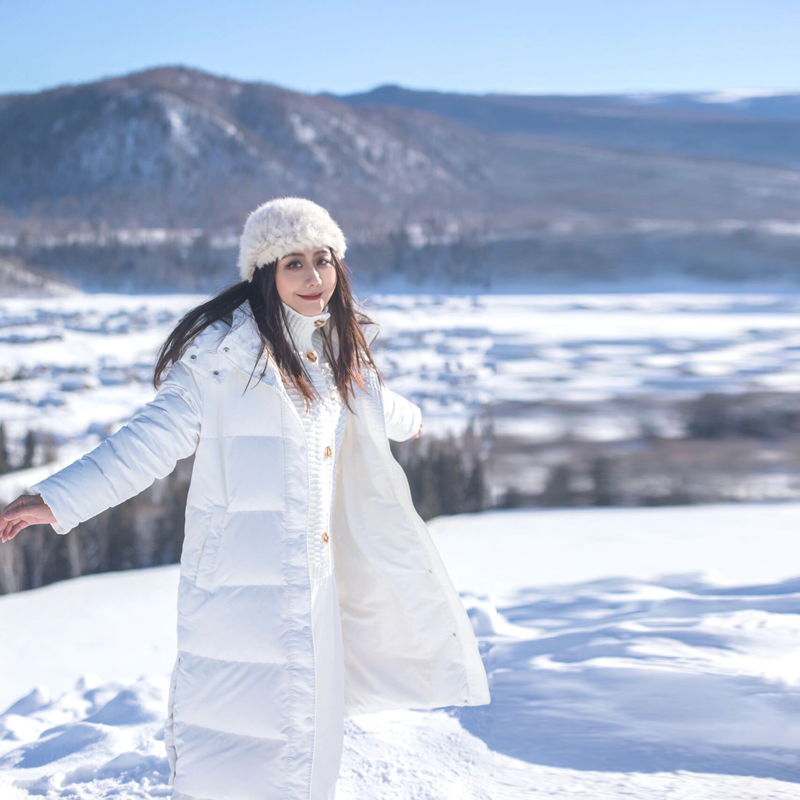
[[324, 425]]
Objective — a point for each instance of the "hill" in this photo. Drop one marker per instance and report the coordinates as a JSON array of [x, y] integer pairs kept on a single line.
[[143, 181], [630, 652]]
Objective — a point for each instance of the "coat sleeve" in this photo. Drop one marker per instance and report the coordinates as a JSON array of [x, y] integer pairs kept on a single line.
[[163, 431], [403, 417]]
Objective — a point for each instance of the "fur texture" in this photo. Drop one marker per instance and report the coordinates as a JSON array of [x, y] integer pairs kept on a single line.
[[283, 225]]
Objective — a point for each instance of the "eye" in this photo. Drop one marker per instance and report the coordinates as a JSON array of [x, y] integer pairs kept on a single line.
[[324, 260], [292, 263]]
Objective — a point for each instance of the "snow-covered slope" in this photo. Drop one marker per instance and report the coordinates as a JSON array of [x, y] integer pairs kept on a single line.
[[647, 653], [87, 359]]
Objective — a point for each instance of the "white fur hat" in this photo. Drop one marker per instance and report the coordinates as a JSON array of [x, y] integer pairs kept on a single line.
[[279, 226]]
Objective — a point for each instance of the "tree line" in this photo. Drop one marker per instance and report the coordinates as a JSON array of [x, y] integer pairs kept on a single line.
[[36, 447], [446, 476]]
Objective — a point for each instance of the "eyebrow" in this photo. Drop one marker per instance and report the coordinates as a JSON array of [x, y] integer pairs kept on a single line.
[[323, 250]]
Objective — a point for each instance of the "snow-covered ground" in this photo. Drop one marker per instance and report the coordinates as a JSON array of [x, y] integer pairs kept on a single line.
[[85, 361], [631, 653]]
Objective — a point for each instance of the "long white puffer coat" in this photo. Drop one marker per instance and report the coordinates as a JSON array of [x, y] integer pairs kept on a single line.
[[240, 722]]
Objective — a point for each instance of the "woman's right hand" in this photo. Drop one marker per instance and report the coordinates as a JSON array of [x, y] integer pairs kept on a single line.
[[27, 509]]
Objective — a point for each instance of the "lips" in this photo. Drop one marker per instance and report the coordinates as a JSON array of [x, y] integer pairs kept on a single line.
[[311, 296]]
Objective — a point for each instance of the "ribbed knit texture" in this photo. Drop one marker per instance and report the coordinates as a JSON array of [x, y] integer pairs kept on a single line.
[[324, 425]]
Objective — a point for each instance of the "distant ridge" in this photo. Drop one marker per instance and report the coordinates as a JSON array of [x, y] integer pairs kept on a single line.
[[145, 179]]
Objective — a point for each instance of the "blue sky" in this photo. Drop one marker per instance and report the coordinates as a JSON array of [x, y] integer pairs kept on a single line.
[[506, 45]]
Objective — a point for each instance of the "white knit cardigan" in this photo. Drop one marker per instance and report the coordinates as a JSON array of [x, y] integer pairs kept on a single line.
[[324, 423]]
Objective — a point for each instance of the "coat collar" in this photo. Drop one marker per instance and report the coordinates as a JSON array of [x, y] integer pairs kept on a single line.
[[300, 327], [243, 341]]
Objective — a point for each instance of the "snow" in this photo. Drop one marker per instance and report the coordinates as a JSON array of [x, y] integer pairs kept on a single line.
[[647, 653], [630, 653], [738, 95], [447, 353]]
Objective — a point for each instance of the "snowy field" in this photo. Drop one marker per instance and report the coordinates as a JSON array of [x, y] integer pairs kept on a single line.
[[647, 653], [632, 653], [84, 362]]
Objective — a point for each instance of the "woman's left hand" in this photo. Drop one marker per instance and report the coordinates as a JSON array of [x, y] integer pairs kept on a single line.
[[416, 435]]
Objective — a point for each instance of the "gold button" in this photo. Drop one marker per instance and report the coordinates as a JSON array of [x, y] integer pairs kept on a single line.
[[328, 452], [318, 323], [325, 536], [311, 355]]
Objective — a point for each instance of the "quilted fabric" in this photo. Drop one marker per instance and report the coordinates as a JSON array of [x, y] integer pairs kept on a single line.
[[240, 722]]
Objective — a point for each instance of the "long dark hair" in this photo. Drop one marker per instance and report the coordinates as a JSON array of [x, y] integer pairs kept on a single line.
[[267, 311]]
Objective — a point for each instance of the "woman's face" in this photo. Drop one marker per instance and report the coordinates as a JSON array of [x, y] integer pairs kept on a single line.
[[306, 279]]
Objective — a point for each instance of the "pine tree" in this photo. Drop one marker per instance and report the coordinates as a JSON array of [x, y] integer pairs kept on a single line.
[[558, 489], [476, 489], [30, 450], [5, 467], [604, 489]]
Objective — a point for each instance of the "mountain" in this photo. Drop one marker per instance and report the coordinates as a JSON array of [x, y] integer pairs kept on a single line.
[[144, 180], [176, 147], [748, 127]]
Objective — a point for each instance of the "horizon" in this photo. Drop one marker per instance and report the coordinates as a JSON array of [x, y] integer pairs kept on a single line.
[[735, 92]]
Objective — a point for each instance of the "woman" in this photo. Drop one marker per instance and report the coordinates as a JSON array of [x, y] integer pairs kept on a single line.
[[310, 589]]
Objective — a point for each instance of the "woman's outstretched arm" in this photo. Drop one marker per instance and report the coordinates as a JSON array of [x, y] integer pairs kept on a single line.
[[163, 431], [403, 418]]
